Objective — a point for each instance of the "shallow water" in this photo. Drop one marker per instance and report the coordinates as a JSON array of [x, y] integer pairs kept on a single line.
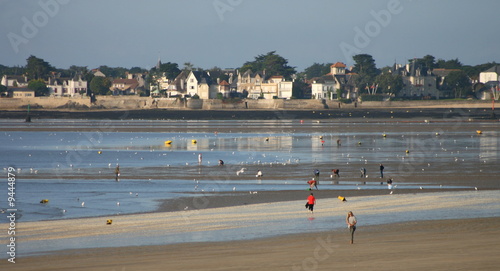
[[70, 167]]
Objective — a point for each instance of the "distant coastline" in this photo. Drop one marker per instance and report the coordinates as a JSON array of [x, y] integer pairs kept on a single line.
[[363, 113]]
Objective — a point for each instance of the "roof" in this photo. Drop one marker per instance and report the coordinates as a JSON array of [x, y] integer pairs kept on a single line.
[[132, 83], [495, 69], [339, 65], [224, 83], [443, 72], [202, 77]]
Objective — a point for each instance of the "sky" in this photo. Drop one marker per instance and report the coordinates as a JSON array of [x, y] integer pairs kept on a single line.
[[228, 33]]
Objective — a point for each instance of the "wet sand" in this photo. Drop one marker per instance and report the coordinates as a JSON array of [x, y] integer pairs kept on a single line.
[[466, 244], [463, 244]]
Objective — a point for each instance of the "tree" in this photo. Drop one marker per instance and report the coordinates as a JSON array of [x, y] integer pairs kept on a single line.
[[137, 70], [100, 85], [188, 66], [449, 64], [37, 68], [317, 70], [3, 88], [113, 72], [272, 64], [459, 82], [300, 90], [39, 87], [364, 66], [389, 83], [171, 70]]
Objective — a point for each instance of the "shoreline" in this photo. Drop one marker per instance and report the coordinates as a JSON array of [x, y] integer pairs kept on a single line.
[[388, 113], [418, 245]]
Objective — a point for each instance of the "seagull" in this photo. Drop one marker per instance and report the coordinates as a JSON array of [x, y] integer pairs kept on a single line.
[[421, 187], [83, 203], [475, 188], [390, 193], [117, 203], [234, 188], [240, 171], [186, 208]]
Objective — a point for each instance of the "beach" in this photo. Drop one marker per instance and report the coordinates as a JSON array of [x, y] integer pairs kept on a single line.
[[463, 244], [442, 216]]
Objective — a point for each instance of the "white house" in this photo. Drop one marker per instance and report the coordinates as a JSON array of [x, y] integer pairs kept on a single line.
[[491, 74], [200, 83], [325, 87], [14, 81], [66, 86]]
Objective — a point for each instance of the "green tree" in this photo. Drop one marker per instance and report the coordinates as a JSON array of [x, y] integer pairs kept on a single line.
[[389, 83], [300, 89], [364, 66], [459, 82], [39, 87], [3, 88], [37, 68], [317, 70], [117, 72], [449, 64], [100, 85], [137, 70], [272, 64], [171, 70]]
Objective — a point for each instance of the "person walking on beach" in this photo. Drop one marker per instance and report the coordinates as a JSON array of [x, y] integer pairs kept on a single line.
[[311, 201], [381, 171], [117, 172], [351, 224], [259, 174], [221, 163], [363, 172], [200, 158]]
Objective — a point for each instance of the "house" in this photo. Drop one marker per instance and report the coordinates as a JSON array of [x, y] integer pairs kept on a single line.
[[21, 92], [276, 87], [417, 83], [491, 74], [224, 89], [326, 86], [200, 83], [59, 86], [250, 82], [178, 86], [124, 86], [14, 81]]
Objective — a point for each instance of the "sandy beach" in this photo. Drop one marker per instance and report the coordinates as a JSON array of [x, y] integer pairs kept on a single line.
[[425, 233], [465, 244]]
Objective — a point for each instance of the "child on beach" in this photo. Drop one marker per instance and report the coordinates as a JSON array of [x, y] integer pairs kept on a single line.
[[351, 224]]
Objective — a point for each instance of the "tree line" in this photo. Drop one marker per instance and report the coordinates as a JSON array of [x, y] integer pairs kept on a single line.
[[271, 63]]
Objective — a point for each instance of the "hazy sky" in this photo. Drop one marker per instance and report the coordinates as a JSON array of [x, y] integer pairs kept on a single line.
[[227, 33]]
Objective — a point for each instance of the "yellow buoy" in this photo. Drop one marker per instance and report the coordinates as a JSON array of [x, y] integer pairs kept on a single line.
[[194, 141], [168, 142], [267, 138], [99, 152], [44, 201], [109, 221], [341, 198], [320, 137], [437, 134], [407, 151], [384, 135], [479, 132]]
